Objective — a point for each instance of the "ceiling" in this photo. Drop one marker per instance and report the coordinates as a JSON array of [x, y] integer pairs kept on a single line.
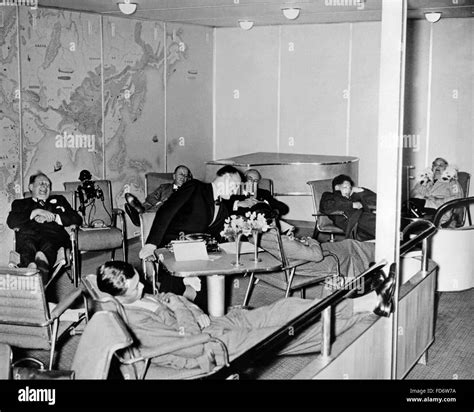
[[226, 13]]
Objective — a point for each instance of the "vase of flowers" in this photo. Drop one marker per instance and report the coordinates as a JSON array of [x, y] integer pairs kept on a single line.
[[236, 226]]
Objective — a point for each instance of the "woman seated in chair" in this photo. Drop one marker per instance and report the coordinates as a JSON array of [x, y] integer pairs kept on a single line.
[[166, 318]]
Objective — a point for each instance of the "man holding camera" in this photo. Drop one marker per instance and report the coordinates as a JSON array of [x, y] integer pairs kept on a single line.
[[39, 223]]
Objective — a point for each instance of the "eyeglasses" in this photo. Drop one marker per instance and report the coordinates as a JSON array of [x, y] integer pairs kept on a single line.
[[439, 164]]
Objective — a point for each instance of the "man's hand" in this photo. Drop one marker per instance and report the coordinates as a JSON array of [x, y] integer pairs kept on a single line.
[[147, 252], [203, 321], [194, 282], [171, 301], [357, 205], [356, 189], [248, 203], [41, 216]]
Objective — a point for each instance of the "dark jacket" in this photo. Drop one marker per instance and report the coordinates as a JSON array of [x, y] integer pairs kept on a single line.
[[263, 195], [188, 210], [19, 217]]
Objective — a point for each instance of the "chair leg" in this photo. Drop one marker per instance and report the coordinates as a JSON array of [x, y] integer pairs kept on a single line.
[[112, 255], [303, 293], [54, 335], [249, 290], [124, 249]]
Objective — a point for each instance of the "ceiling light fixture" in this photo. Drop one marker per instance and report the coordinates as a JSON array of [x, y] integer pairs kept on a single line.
[[433, 17], [245, 24], [291, 13], [126, 7]]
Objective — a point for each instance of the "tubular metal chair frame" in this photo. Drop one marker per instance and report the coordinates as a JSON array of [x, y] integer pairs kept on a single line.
[[289, 269], [75, 233], [51, 319], [132, 355], [329, 227]]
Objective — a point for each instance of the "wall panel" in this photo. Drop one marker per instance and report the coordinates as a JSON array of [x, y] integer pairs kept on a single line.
[[10, 147], [314, 78], [189, 97], [363, 117], [246, 91]]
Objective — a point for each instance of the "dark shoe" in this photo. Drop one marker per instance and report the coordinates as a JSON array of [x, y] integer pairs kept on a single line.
[[133, 208], [385, 290]]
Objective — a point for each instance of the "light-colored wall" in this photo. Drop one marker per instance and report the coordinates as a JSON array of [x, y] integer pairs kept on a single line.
[[439, 107], [299, 89], [142, 89]]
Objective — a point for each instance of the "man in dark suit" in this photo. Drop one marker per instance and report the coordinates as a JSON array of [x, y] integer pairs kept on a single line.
[[194, 208], [261, 201], [357, 203], [155, 200], [39, 223]]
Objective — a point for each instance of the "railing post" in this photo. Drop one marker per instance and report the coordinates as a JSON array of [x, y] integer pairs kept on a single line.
[[326, 332], [424, 256]]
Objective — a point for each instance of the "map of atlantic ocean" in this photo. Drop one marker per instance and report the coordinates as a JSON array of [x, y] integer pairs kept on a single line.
[[88, 86]]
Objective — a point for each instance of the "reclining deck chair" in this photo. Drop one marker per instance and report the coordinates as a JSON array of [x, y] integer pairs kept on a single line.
[[104, 335], [137, 363], [287, 279], [25, 318]]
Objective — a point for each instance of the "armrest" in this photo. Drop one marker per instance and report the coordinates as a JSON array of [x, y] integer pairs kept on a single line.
[[333, 255], [65, 303], [182, 343], [120, 213], [335, 213], [294, 264]]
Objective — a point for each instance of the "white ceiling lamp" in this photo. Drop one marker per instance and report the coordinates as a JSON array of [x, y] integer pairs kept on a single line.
[[291, 13], [245, 24], [433, 17], [127, 8]]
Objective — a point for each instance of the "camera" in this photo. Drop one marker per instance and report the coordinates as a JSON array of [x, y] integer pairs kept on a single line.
[[87, 191]]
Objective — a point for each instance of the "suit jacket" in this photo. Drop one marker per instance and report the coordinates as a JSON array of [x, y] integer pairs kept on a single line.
[[19, 217], [334, 201], [188, 210], [262, 195], [160, 195]]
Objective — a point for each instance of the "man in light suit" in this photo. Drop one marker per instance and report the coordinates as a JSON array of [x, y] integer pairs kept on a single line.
[[39, 223]]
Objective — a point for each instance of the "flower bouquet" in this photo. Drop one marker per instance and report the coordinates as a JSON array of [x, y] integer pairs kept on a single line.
[[251, 224]]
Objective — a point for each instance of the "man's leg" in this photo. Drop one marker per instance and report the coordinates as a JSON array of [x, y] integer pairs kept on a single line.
[[367, 224], [25, 245]]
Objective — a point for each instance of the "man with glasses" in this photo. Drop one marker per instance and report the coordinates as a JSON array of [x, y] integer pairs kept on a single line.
[[437, 188], [39, 223]]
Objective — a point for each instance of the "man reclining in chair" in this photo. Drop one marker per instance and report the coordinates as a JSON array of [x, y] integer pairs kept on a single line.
[[164, 318], [354, 256]]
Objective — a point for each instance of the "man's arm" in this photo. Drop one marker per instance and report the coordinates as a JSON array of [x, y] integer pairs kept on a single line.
[[67, 215], [159, 196], [275, 204], [19, 214], [333, 202]]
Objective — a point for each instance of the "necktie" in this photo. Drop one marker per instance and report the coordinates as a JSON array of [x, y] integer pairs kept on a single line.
[[217, 205]]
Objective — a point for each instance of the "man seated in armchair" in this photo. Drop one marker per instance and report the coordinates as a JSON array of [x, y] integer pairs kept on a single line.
[[39, 223], [155, 200], [165, 318], [357, 203]]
